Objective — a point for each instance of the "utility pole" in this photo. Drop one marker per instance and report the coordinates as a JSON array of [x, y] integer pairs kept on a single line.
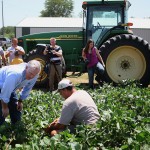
[[2, 19]]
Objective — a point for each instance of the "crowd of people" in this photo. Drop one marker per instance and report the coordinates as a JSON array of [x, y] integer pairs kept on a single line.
[[76, 109]]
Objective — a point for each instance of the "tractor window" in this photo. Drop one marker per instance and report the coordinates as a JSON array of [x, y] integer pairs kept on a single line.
[[100, 19]]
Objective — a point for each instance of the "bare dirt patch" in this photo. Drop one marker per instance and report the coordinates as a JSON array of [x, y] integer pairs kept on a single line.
[[81, 80], [78, 79]]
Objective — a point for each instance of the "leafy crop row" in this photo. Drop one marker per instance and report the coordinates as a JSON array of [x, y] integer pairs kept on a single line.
[[124, 122]]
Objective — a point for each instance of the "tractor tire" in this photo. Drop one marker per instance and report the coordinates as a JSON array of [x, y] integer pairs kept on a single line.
[[126, 56], [43, 76]]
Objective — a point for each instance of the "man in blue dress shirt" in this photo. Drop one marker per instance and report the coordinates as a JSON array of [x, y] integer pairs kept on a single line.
[[14, 77]]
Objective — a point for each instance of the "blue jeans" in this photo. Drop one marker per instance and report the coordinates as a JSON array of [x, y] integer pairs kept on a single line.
[[15, 115], [99, 69]]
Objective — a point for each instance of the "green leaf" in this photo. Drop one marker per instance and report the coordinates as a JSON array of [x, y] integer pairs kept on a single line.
[[118, 126], [124, 147], [130, 141], [4, 138]]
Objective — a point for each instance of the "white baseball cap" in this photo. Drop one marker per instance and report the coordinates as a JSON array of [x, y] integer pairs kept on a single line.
[[64, 83]]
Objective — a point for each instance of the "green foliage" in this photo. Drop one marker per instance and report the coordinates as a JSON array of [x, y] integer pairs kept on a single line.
[[59, 8], [9, 31], [124, 123]]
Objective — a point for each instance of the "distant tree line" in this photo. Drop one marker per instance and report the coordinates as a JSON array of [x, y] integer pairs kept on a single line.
[[8, 31]]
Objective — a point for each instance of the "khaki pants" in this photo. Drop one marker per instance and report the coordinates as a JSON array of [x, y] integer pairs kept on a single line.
[[53, 74]]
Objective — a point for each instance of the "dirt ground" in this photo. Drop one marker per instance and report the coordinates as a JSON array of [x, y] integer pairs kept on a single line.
[[82, 79], [77, 79]]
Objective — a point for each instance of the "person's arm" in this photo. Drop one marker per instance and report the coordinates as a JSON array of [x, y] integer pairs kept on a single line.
[[7, 53], [25, 93], [58, 53], [20, 50], [2, 56], [99, 57], [61, 123], [57, 126], [3, 59], [6, 91], [8, 87], [67, 114], [5, 109], [27, 88], [54, 126], [83, 54]]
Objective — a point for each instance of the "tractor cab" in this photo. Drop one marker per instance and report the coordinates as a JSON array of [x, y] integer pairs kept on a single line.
[[101, 16]]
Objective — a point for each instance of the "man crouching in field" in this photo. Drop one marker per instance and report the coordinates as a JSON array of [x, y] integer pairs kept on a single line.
[[78, 108], [14, 77]]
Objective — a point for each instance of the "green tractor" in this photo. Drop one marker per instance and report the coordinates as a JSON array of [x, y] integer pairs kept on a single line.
[[126, 56]]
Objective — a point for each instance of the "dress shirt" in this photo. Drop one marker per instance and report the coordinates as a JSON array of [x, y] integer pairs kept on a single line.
[[12, 78]]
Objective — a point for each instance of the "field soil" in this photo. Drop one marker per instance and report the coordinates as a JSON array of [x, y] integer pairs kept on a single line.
[[77, 79]]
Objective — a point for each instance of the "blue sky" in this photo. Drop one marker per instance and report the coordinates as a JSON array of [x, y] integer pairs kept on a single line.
[[16, 10]]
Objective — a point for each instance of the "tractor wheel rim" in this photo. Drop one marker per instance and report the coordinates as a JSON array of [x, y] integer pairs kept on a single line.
[[42, 75], [125, 62]]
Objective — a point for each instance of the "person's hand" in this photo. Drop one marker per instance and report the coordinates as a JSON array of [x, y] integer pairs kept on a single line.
[[19, 106], [47, 129], [50, 127], [5, 112], [45, 51], [7, 54], [53, 123], [53, 51]]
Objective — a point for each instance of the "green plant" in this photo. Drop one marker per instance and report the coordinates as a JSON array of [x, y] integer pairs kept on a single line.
[[124, 123]]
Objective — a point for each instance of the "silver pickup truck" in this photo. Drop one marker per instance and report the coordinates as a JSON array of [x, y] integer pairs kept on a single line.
[[5, 42]]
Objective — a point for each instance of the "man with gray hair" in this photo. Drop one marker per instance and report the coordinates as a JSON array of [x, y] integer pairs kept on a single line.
[[14, 77]]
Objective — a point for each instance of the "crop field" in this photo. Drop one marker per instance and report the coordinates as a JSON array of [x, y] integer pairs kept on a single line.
[[124, 123]]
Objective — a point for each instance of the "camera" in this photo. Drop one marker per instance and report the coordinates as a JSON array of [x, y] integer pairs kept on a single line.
[[50, 50], [86, 61], [16, 53]]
